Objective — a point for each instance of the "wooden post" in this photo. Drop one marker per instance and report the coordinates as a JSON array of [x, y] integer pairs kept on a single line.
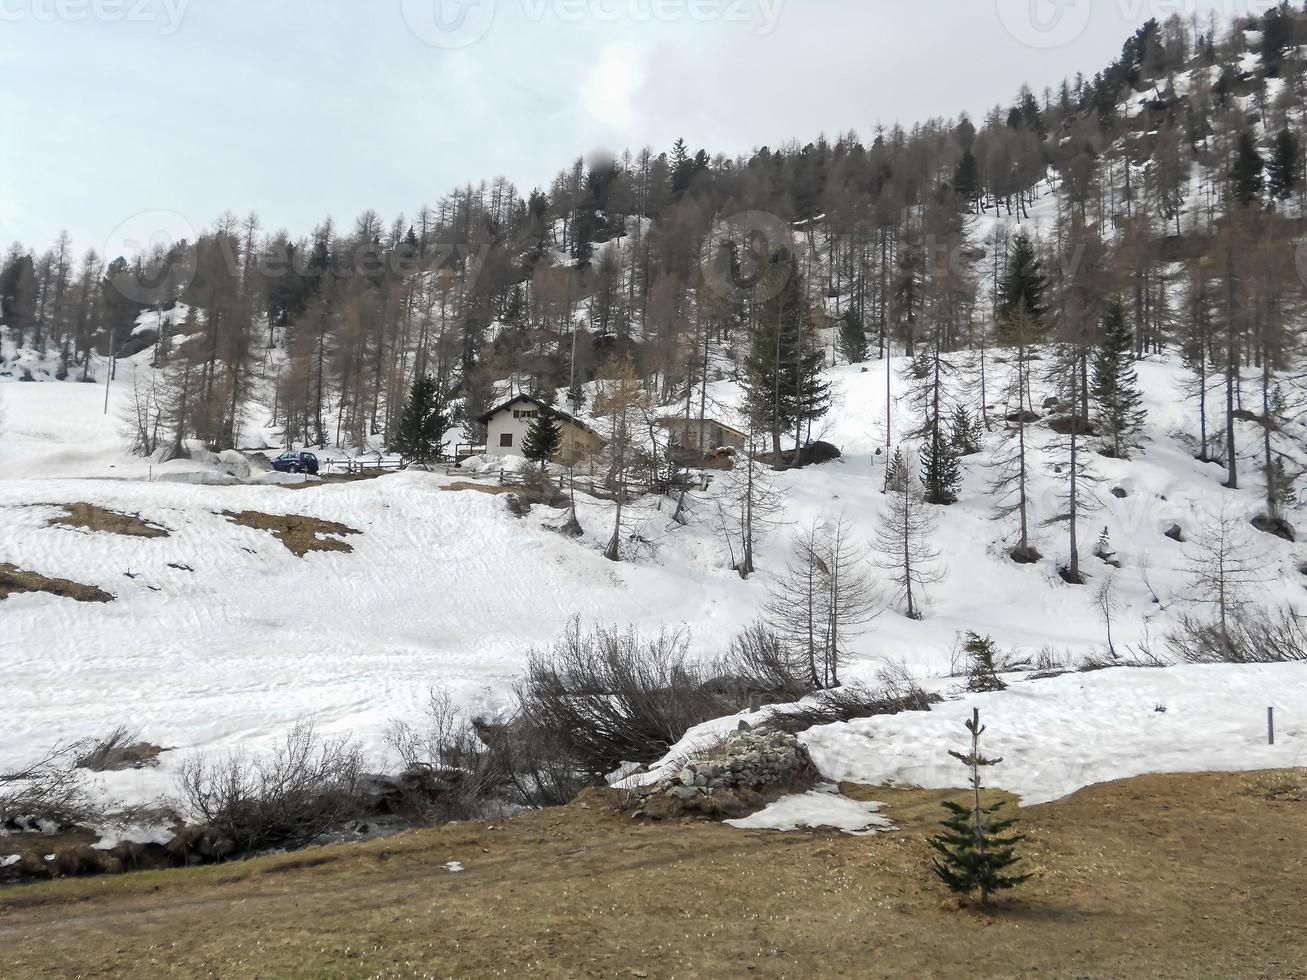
[[1270, 726], [755, 703]]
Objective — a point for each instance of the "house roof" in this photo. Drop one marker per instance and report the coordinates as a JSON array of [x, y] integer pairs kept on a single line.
[[670, 420], [542, 405]]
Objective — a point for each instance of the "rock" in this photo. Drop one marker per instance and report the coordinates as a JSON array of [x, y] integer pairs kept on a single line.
[[817, 453], [1119, 493], [1274, 525], [235, 463], [688, 776], [1025, 556], [1175, 532]]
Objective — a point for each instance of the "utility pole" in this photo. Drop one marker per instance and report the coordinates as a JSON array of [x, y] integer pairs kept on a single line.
[[108, 373]]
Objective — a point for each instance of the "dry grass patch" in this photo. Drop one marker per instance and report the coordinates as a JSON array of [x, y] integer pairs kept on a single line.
[[492, 490], [89, 517], [1127, 883], [123, 748], [14, 580], [298, 533]]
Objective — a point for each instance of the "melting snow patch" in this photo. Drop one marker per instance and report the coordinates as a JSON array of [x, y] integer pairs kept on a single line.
[[12, 859], [820, 807], [454, 866]]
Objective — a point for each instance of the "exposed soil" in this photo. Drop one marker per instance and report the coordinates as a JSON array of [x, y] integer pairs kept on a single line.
[[14, 580], [299, 534], [493, 490], [89, 517], [1185, 875]]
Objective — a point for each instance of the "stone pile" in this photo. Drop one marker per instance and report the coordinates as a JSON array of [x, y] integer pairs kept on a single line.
[[731, 780]]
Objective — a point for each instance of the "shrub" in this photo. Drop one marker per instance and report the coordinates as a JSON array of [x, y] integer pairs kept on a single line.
[[611, 696], [894, 695], [449, 773], [1248, 638], [122, 748], [761, 662], [307, 786], [459, 769], [539, 769], [48, 794]]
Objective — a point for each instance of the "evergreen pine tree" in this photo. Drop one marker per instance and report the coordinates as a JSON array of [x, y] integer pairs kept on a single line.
[[976, 851], [1282, 484], [1021, 296], [966, 179], [576, 397], [1120, 414], [1285, 168], [1103, 549], [544, 435], [982, 674], [896, 473], [853, 337], [941, 475], [1247, 177], [783, 370], [422, 423], [964, 432]]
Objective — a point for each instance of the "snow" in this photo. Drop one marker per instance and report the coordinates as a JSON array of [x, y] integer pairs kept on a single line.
[[823, 807], [1058, 735], [446, 588]]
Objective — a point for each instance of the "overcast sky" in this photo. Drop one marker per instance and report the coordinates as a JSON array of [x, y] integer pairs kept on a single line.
[[167, 112]]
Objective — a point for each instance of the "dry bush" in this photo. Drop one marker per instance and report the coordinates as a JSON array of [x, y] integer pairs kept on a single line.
[[1250, 637], [307, 786], [848, 703], [761, 662], [122, 748], [539, 769], [611, 696], [456, 769], [449, 772], [895, 691], [48, 794]]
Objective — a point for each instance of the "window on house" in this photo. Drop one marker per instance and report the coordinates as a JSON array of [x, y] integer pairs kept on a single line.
[[506, 440]]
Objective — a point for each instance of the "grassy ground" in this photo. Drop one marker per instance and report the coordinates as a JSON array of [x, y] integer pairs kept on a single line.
[[298, 533], [14, 580], [90, 517], [1196, 875]]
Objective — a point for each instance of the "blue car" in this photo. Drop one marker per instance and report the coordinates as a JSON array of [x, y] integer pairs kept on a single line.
[[296, 462]]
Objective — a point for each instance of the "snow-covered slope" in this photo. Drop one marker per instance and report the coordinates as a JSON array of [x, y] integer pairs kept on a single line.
[[445, 587]]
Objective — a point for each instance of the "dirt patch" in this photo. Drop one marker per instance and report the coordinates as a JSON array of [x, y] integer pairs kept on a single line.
[[1178, 876], [326, 479], [14, 580], [298, 533], [89, 517], [492, 490]]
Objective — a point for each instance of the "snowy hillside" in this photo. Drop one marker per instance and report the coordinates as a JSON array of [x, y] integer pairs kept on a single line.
[[219, 636]]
